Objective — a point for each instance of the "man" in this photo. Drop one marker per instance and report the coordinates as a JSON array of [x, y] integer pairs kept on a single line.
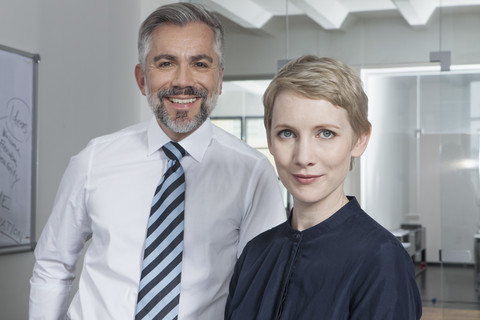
[[230, 192]]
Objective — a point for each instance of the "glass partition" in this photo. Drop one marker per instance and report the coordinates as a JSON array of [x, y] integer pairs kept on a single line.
[[421, 172]]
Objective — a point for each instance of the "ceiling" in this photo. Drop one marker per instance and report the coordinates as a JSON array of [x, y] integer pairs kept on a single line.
[[329, 14]]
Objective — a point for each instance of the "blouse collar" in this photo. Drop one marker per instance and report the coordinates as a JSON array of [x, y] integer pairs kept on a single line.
[[337, 219]]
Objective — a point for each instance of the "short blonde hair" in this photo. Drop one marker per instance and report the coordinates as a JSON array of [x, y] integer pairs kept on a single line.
[[321, 78]]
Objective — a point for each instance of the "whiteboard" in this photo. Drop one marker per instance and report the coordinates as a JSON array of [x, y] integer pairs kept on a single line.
[[18, 83]]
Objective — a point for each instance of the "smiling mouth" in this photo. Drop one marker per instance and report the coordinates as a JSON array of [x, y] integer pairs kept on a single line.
[[182, 101], [183, 96]]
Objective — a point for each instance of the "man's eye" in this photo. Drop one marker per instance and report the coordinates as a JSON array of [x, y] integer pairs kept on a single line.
[[164, 64], [201, 65]]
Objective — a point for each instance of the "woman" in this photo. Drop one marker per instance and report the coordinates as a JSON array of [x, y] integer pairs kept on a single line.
[[330, 260]]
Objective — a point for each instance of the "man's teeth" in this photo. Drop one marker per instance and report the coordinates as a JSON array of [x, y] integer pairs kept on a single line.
[[174, 100]]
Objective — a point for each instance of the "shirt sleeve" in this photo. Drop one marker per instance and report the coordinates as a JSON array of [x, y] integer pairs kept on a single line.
[[386, 287], [266, 209], [60, 245]]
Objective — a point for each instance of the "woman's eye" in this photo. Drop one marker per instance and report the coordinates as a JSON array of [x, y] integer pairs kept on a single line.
[[285, 134], [326, 134]]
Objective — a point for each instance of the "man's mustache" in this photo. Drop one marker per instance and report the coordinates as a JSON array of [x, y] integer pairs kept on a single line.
[[188, 91]]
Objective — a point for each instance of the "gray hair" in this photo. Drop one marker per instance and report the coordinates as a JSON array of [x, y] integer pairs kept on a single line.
[[179, 14]]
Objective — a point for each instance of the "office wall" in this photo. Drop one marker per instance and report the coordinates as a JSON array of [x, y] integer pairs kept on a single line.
[[390, 169], [86, 88]]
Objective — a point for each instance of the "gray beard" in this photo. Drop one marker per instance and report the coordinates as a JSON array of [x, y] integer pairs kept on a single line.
[[180, 122]]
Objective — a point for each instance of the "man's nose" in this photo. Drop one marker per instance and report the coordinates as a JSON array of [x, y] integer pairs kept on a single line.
[[183, 77]]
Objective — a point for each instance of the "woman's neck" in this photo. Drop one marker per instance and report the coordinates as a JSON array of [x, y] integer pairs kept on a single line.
[[305, 216]]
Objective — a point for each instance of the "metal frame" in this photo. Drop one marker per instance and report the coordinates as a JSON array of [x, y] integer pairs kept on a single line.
[[31, 245]]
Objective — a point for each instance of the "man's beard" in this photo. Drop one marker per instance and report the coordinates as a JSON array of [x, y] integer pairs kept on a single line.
[[180, 123]]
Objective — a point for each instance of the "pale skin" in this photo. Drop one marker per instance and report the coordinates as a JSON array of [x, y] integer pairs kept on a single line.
[[312, 142], [181, 56]]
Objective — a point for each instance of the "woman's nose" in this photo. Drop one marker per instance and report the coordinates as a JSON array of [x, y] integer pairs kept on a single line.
[[304, 153]]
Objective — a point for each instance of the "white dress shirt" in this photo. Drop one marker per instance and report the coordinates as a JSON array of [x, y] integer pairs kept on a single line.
[[232, 194]]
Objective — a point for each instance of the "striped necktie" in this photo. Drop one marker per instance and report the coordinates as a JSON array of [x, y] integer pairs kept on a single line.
[[159, 289]]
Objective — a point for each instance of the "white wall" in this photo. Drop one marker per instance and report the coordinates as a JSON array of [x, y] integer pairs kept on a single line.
[[389, 162], [86, 88]]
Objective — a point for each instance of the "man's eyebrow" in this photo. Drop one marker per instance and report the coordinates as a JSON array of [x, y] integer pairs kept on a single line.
[[202, 57], [168, 57]]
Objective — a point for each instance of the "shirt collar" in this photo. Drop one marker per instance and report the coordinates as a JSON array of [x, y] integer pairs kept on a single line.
[[195, 144]]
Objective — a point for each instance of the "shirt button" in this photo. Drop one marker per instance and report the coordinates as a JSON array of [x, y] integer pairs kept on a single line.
[[297, 236]]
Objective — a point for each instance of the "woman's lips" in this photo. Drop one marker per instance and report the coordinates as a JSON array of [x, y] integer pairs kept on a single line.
[[306, 178]]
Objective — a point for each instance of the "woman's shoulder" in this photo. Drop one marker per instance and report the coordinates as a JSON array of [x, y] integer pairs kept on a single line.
[[266, 243], [261, 240]]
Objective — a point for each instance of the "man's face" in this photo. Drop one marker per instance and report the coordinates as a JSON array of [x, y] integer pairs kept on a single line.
[[182, 77]]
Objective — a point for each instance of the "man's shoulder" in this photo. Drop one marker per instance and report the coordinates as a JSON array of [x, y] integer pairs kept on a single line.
[[235, 146], [125, 133], [118, 142]]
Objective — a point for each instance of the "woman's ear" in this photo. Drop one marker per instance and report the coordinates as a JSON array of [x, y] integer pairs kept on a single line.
[[361, 144]]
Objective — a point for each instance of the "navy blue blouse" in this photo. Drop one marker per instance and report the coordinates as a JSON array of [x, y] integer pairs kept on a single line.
[[346, 267]]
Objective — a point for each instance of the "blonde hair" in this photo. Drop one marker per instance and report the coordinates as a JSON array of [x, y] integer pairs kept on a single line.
[[321, 78]]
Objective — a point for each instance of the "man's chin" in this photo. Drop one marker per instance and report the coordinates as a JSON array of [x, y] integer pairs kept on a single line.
[[180, 125], [180, 121]]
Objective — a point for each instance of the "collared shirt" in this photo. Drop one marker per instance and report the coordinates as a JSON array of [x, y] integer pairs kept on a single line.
[[346, 267], [232, 194]]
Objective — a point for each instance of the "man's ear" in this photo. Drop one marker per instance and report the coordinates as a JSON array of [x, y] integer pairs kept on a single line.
[[361, 144], [221, 82], [140, 77]]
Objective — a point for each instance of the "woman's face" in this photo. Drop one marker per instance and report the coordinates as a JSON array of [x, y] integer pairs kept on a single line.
[[312, 143]]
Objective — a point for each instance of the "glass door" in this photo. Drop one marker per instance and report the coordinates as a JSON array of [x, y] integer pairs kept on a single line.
[[421, 170]]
